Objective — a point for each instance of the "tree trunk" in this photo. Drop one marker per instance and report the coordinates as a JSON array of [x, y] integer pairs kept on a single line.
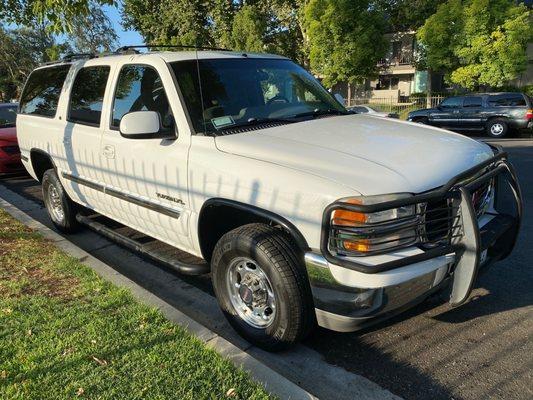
[[349, 100], [428, 89]]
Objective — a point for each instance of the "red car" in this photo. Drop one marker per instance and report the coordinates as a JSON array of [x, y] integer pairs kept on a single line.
[[9, 149]]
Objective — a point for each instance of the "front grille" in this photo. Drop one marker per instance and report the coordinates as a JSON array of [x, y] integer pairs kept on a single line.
[[14, 149], [434, 224], [481, 198], [439, 223]]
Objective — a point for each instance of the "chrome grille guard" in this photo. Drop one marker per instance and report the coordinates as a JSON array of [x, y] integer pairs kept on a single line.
[[457, 191]]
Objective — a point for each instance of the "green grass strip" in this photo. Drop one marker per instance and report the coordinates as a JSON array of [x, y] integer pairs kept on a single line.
[[65, 333]]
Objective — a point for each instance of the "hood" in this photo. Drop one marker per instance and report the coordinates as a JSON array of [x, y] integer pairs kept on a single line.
[[371, 155], [8, 134]]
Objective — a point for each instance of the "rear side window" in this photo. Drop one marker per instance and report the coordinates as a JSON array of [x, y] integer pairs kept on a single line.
[[87, 96], [451, 102], [139, 88], [42, 91], [507, 100], [472, 102]]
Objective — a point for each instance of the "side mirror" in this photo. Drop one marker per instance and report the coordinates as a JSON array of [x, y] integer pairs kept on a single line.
[[144, 125], [339, 98]]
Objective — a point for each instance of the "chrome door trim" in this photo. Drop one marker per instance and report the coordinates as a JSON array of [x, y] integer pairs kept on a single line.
[[124, 196]]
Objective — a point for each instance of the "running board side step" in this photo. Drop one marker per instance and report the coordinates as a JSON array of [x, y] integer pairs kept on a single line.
[[144, 245]]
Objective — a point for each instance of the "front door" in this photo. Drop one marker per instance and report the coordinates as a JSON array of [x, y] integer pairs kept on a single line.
[[447, 113], [146, 179]]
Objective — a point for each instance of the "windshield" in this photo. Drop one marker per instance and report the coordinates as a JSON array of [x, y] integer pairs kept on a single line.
[[8, 116], [240, 91]]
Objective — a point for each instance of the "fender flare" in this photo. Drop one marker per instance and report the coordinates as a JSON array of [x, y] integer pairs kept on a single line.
[[41, 153], [260, 212]]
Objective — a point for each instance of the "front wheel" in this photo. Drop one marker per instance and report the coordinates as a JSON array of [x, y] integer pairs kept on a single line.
[[61, 209], [262, 287], [497, 128], [421, 120]]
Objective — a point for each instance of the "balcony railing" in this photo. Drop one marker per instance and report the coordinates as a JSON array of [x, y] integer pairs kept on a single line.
[[402, 59]]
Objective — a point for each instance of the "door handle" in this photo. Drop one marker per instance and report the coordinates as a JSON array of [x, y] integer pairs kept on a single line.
[[109, 151]]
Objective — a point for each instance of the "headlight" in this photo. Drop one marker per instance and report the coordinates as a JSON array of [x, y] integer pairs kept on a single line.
[[361, 233]]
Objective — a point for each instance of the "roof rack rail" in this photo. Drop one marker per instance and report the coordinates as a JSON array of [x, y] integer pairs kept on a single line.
[[124, 49], [78, 56], [71, 57]]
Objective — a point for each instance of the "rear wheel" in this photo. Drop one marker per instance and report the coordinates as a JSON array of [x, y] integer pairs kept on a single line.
[[497, 128], [61, 209], [262, 287]]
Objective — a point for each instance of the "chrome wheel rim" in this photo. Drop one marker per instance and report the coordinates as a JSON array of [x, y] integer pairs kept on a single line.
[[251, 293], [55, 206], [496, 129]]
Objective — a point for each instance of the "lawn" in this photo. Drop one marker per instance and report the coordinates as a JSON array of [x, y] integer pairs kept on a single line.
[[66, 333]]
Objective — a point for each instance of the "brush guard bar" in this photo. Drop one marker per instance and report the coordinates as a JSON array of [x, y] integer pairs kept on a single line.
[[498, 236]]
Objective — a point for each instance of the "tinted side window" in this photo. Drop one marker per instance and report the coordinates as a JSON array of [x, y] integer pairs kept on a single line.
[[87, 95], [472, 102], [8, 116], [139, 88], [507, 100], [42, 91], [451, 102]]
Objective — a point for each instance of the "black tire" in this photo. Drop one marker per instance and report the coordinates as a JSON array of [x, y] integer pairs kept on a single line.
[[421, 120], [497, 128], [52, 189], [277, 256]]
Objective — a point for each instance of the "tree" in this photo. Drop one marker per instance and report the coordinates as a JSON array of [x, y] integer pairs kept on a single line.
[[272, 25], [21, 50], [93, 33], [407, 15], [345, 39], [492, 49], [478, 42], [249, 29], [180, 22], [59, 14]]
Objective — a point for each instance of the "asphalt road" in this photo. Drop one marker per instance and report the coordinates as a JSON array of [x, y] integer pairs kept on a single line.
[[483, 349]]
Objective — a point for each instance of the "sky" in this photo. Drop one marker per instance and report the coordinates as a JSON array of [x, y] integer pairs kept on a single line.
[[125, 38]]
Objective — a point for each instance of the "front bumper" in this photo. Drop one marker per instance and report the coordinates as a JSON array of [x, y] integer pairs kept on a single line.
[[350, 295]]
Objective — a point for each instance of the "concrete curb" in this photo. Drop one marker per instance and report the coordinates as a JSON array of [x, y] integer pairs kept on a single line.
[[274, 382]]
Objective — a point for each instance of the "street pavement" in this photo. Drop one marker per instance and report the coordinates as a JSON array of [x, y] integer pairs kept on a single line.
[[483, 349]]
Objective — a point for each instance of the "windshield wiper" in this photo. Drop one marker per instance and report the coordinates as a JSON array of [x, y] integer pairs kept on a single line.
[[318, 112], [255, 122]]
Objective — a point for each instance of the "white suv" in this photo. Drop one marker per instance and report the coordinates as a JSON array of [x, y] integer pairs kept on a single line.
[[303, 212]]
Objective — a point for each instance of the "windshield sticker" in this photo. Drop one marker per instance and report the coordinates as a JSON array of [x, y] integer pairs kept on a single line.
[[221, 122]]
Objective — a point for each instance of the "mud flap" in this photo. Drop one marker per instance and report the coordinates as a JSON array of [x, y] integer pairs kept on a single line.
[[465, 272]]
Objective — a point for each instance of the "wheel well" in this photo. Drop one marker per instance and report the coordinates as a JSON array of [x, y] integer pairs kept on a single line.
[[40, 162], [219, 216], [492, 117]]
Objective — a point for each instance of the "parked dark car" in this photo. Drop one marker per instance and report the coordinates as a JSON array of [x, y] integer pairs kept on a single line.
[[9, 149], [494, 113]]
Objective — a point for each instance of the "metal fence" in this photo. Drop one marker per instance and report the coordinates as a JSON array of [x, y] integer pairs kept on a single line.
[[402, 106]]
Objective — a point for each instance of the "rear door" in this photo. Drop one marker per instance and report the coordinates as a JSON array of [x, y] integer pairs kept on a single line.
[[470, 115], [146, 179], [446, 115], [81, 173]]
